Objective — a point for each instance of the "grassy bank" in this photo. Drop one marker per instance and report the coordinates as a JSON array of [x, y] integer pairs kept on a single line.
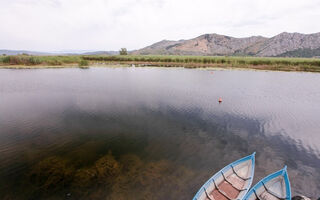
[[26, 61], [279, 64]]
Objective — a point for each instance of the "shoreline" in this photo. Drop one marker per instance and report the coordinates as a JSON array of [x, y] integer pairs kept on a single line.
[[265, 68], [189, 62]]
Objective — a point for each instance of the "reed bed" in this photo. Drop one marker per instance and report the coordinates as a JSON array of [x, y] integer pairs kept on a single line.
[[260, 63], [39, 60], [211, 60]]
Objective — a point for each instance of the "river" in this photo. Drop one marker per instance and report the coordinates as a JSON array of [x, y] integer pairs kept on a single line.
[[152, 133]]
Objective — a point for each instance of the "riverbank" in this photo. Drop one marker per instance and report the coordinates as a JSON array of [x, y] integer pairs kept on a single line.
[[274, 64]]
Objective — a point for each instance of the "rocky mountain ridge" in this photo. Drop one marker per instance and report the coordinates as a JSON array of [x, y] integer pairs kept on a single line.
[[215, 44]]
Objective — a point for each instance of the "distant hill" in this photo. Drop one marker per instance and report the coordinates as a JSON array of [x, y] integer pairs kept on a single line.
[[300, 45], [101, 53], [282, 45], [37, 53], [17, 52]]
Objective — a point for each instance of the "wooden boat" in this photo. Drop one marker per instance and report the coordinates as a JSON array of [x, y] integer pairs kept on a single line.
[[232, 182], [276, 186]]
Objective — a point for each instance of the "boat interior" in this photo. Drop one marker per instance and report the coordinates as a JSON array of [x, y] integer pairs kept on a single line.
[[274, 189], [232, 183]]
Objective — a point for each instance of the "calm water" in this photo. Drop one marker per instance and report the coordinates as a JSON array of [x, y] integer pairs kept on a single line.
[[152, 133]]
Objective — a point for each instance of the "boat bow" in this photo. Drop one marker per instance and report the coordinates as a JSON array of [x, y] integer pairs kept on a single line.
[[232, 182]]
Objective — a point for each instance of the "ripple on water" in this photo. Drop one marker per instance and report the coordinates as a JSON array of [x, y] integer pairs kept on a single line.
[[146, 129]]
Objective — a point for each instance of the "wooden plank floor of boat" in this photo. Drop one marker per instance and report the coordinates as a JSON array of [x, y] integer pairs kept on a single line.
[[266, 195], [228, 189]]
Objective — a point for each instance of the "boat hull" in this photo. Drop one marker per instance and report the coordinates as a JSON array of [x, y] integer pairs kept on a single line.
[[232, 182], [276, 186]]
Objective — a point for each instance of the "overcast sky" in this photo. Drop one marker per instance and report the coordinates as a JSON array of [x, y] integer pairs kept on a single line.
[[54, 25]]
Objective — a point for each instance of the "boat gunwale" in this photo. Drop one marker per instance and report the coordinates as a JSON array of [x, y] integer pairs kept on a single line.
[[225, 169], [283, 172]]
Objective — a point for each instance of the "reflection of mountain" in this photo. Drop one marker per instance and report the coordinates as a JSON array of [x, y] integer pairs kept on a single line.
[[151, 147], [167, 119]]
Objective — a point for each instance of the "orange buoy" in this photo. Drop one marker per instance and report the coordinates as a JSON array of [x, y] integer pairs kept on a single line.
[[220, 100]]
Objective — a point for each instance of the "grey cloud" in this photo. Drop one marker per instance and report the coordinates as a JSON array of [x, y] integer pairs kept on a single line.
[[54, 25]]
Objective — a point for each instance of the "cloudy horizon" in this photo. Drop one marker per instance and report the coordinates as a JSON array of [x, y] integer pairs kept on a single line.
[[62, 25]]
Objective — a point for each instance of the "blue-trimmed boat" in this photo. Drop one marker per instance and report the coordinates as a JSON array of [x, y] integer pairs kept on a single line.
[[276, 186], [232, 182]]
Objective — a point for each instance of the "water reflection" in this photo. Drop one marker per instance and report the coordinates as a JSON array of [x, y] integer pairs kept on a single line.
[[149, 133]]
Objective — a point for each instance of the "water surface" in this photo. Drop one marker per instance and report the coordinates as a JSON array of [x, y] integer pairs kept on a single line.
[[152, 133]]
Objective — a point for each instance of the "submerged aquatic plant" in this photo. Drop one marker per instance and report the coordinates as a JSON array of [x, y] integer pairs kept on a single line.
[[128, 177], [52, 174], [107, 167]]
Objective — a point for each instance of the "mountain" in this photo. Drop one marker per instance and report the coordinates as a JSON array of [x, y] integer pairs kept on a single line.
[[284, 45], [162, 47], [215, 44], [286, 42]]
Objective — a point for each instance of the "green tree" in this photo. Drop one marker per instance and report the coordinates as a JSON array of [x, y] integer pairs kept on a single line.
[[123, 51]]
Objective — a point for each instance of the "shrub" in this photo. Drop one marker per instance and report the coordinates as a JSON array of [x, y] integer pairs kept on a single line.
[[33, 61], [123, 51], [83, 63], [54, 62], [14, 60], [6, 60]]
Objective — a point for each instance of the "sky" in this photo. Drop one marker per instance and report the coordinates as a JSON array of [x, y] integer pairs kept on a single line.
[[61, 25]]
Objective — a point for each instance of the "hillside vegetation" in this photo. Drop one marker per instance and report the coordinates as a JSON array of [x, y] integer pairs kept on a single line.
[[304, 53]]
